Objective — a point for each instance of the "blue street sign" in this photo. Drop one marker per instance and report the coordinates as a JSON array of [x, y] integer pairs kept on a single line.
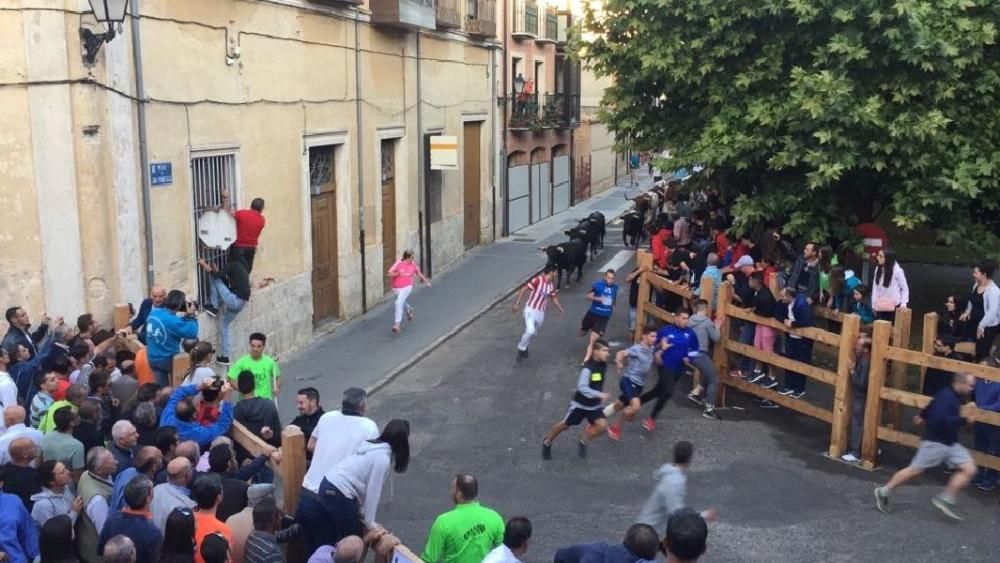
[[161, 173]]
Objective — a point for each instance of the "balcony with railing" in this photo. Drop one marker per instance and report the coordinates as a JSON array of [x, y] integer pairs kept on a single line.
[[534, 112], [523, 112], [481, 18], [449, 14], [550, 31], [525, 19], [560, 110]]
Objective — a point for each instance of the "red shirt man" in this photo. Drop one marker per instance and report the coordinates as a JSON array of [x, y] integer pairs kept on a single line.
[[249, 224]]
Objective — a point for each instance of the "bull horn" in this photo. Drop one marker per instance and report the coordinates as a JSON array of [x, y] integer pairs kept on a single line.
[[561, 249]]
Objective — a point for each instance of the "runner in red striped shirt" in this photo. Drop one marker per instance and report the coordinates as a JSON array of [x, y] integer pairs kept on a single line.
[[539, 290]]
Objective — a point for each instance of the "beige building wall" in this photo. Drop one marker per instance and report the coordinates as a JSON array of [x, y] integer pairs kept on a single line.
[[602, 150], [260, 79]]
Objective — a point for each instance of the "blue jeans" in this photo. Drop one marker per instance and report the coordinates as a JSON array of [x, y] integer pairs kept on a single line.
[[162, 370], [312, 516], [747, 330], [233, 307], [987, 440], [798, 349]]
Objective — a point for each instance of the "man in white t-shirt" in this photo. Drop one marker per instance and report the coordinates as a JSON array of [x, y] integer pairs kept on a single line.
[[8, 389], [516, 534], [336, 436]]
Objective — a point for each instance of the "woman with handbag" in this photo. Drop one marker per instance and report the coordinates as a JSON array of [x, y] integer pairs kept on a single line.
[[889, 289]]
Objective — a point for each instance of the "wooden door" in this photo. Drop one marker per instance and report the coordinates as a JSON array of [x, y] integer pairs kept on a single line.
[[388, 206], [471, 175], [325, 288]]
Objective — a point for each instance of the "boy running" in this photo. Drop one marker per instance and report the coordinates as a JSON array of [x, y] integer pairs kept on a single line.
[[640, 360], [602, 297], [539, 290], [586, 403], [676, 344]]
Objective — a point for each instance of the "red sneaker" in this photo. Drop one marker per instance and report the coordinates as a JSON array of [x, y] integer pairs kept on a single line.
[[649, 424], [614, 433]]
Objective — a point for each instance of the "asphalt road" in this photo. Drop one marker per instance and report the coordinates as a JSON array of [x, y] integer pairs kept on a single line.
[[474, 409]]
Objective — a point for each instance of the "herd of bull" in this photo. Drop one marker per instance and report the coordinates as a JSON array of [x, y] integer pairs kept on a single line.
[[587, 237]]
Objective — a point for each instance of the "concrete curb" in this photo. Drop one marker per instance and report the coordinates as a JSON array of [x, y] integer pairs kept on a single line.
[[399, 370]]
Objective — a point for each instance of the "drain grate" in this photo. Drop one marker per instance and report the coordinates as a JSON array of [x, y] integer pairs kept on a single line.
[[523, 240]]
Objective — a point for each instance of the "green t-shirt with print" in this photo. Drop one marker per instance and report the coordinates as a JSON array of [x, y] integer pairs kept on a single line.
[[265, 373]]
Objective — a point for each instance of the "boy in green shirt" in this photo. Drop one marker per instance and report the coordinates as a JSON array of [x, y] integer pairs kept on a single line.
[[466, 533], [266, 373]]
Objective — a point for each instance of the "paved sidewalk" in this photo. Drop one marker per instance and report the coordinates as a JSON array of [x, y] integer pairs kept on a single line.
[[365, 353]]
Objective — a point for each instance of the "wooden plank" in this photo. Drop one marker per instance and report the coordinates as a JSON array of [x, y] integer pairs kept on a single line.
[[782, 362], [919, 401], [930, 334], [719, 354], [873, 401], [642, 259], [121, 316], [946, 364], [897, 374], [250, 441], [797, 405], [826, 313], [967, 348], [181, 364], [705, 292], [653, 311], [293, 465], [913, 441], [843, 393], [663, 284], [812, 333]]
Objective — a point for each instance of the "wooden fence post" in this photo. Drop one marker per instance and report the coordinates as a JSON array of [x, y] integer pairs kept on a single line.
[[719, 355], [843, 390], [292, 466], [121, 316], [928, 337], [180, 366], [642, 259], [873, 402], [705, 291], [897, 379]]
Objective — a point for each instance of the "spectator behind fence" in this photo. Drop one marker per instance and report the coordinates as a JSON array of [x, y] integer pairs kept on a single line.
[[242, 523], [861, 304], [75, 396], [18, 534], [55, 540], [338, 435], [95, 488], [55, 497], [124, 437], [516, 534], [87, 429], [60, 445], [859, 367], [207, 493], [146, 423], [987, 436], [121, 549], [180, 411], [889, 288], [14, 420], [222, 462], [795, 312], [24, 369], [173, 494], [641, 543], [259, 415], [20, 332], [261, 546], [215, 549], [686, 538], [466, 533], [8, 389], [157, 295], [178, 536], [20, 478], [148, 461], [133, 521], [47, 382], [310, 412], [166, 326], [983, 311]]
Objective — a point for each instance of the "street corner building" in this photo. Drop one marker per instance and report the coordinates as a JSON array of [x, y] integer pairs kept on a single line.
[[324, 109]]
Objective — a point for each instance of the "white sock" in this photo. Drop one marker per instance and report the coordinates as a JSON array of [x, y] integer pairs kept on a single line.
[[609, 410]]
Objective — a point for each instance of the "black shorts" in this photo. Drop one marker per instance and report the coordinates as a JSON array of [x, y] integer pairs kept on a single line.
[[577, 415], [594, 323]]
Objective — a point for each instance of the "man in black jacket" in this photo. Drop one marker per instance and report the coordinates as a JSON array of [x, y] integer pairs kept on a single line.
[[259, 415], [18, 333], [222, 461], [310, 411], [230, 287]]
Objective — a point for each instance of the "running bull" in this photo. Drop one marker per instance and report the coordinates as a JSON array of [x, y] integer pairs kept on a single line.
[[566, 256]]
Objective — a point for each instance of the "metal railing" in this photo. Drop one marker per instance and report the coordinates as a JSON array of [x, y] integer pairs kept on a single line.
[[560, 109], [523, 112], [525, 18]]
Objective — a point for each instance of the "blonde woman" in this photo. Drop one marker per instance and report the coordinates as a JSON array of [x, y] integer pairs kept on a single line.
[[401, 273]]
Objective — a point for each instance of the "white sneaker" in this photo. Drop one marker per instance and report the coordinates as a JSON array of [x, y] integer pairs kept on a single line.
[[849, 458]]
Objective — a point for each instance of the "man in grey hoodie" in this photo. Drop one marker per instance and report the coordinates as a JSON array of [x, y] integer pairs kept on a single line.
[[708, 333], [670, 493]]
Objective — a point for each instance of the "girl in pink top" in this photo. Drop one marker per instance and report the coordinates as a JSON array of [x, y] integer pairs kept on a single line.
[[401, 273]]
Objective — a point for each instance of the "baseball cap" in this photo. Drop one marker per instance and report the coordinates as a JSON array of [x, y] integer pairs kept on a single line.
[[744, 262]]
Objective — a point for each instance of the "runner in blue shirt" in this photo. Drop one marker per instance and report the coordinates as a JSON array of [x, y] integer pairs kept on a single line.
[[675, 344], [602, 298]]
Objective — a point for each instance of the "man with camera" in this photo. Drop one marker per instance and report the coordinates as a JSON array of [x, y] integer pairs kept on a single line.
[[166, 326], [180, 412]]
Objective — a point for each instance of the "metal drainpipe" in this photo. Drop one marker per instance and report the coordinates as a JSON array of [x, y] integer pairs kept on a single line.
[[140, 94], [427, 254], [503, 91], [361, 168], [493, 139]]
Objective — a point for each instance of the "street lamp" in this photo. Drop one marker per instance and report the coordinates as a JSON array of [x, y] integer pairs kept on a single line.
[[109, 13], [519, 84]]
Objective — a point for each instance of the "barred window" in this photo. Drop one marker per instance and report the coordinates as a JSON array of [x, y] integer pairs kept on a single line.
[[211, 173]]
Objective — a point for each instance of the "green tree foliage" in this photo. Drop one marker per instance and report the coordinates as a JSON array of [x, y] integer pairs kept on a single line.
[[815, 113]]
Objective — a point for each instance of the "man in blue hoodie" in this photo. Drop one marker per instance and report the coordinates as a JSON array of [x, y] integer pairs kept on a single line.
[[180, 411], [165, 328], [795, 312], [987, 436], [18, 533], [675, 343], [641, 544], [943, 418]]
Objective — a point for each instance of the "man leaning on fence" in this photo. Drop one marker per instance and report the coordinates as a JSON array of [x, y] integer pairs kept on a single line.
[[943, 420]]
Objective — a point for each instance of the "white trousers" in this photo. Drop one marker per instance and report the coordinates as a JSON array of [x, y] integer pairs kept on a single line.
[[402, 293], [532, 321]]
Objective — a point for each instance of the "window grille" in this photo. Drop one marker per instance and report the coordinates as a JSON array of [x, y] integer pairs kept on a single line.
[[210, 174]]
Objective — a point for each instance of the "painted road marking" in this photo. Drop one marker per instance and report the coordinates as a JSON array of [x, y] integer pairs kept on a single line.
[[620, 259]]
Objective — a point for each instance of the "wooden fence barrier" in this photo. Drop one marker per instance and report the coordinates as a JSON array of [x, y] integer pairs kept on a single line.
[[897, 396], [839, 416]]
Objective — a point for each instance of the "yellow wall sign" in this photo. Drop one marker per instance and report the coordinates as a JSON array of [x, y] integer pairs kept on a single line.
[[444, 153]]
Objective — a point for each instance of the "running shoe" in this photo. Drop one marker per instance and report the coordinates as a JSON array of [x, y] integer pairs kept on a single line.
[[766, 404], [946, 506], [786, 392], [409, 313], [581, 449], [849, 458], [614, 433], [546, 451], [222, 360], [522, 354], [212, 310], [798, 394], [769, 383], [696, 399], [710, 414], [395, 328], [882, 500], [649, 424], [984, 486], [757, 377]]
